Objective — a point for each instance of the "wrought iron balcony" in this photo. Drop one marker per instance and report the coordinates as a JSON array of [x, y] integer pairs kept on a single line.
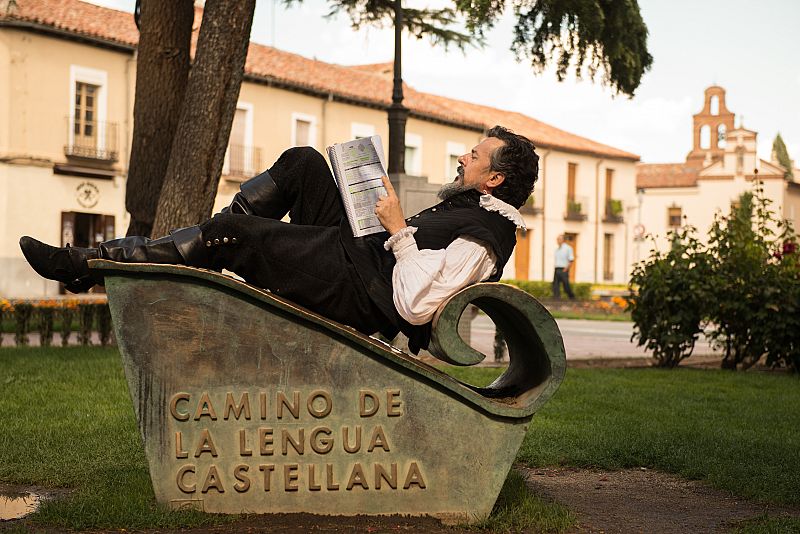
[[242, 162], [576, 209], [614, 209], [92, 140], [532, 206]]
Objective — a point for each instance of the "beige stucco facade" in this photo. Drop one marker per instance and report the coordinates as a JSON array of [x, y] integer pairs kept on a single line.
[[550, 219], [53, 194], [718, 184]]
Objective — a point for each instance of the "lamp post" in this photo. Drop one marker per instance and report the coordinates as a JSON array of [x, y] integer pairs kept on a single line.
[[397, 112]]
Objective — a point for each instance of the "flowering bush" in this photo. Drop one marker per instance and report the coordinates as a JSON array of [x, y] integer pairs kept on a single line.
[[544, 290], [743, 288]]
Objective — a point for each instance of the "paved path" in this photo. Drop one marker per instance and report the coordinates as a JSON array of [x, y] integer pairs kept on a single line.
[[583, 339], [7, 340]]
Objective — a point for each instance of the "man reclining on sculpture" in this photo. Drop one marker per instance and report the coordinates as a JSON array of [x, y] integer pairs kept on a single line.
[[386, 282]]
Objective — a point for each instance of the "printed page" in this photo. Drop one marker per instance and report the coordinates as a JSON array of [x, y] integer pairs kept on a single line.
[[361, 172]]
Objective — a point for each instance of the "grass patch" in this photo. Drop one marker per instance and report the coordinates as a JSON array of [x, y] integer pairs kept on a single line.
[[738, 431], [69, 422], [518, 510], [591, 316], [769, 525]]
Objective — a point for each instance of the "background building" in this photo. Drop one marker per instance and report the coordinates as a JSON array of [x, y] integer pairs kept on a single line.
[[67, 79], [720, 167]]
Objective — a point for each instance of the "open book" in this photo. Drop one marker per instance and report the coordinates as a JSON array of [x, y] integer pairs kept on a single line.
[[358, 167]]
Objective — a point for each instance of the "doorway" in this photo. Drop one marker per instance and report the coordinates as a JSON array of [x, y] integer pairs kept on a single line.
[[522, 255], [86, 230]]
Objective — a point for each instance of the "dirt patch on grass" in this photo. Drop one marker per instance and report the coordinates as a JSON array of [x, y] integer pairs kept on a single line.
[[642, 500]]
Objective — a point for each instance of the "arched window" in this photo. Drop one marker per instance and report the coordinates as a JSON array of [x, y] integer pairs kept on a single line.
[[714, 105], [721, 136], [705, 137]]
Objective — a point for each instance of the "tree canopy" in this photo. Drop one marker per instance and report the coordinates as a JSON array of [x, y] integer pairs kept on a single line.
[[606, 37], [602, 37], [438, 25]]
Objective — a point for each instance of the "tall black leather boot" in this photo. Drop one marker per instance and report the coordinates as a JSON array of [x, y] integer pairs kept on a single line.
[[259, 196], [69, 266]]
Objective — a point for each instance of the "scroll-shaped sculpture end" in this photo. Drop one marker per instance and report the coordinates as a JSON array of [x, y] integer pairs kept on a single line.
[[537, 360]]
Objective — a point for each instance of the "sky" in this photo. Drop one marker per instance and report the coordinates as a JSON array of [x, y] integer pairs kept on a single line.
[[748, 48]]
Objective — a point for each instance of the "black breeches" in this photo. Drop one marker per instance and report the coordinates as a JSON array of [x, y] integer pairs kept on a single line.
[[307, 186], [303, 261]]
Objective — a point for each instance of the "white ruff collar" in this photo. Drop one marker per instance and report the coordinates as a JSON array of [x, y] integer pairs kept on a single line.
[[490, 203]]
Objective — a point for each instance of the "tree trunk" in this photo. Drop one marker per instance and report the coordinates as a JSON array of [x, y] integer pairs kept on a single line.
[[198, 150], [162, 69]]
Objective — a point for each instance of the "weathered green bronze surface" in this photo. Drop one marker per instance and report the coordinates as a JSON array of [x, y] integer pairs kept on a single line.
[[249, 403]]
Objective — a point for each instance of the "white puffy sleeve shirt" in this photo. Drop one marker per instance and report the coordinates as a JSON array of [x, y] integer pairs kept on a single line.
[[423, 279]]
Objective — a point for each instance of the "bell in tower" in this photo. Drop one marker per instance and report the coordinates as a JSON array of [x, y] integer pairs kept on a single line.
[[710, 129]]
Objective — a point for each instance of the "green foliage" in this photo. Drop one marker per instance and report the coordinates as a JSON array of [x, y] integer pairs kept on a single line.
[[45, 314], [607, 38], [435, 24], [574, 208], [781, 154], [67, 315], [519, 510], [103, 315], [22, 322], [782, 329], [614, 207], [743, 288], [544, 290], [755, 285], [85, 323], [668, 296], [738, 290]]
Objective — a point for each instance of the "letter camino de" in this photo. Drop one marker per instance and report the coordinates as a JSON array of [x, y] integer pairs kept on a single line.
[[238, 442]]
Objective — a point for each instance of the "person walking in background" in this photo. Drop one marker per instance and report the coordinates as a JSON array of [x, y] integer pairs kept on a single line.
[[564, 258]]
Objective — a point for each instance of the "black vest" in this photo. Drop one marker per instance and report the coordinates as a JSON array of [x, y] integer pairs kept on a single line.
[[437, 227]]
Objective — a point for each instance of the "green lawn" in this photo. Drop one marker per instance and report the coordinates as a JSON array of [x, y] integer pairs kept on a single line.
[[68, 422], [591, 316]]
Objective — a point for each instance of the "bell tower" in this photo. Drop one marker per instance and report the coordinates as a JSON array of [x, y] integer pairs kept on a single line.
[[710, 129]]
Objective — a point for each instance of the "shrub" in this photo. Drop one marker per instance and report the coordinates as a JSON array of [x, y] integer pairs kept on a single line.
[[544, 290], [85, 323], [22, 322], [667, 306], [103, 314], [751, 290], [45, 314], [67, 315], [744, 287], [782, 335]]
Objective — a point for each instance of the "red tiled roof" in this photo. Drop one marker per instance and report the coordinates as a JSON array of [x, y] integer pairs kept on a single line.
[[650, 175], [76, 17], [366, 84]]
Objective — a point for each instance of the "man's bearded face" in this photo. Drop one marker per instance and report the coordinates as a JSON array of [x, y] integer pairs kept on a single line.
[[455, 187], [474, 170]]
